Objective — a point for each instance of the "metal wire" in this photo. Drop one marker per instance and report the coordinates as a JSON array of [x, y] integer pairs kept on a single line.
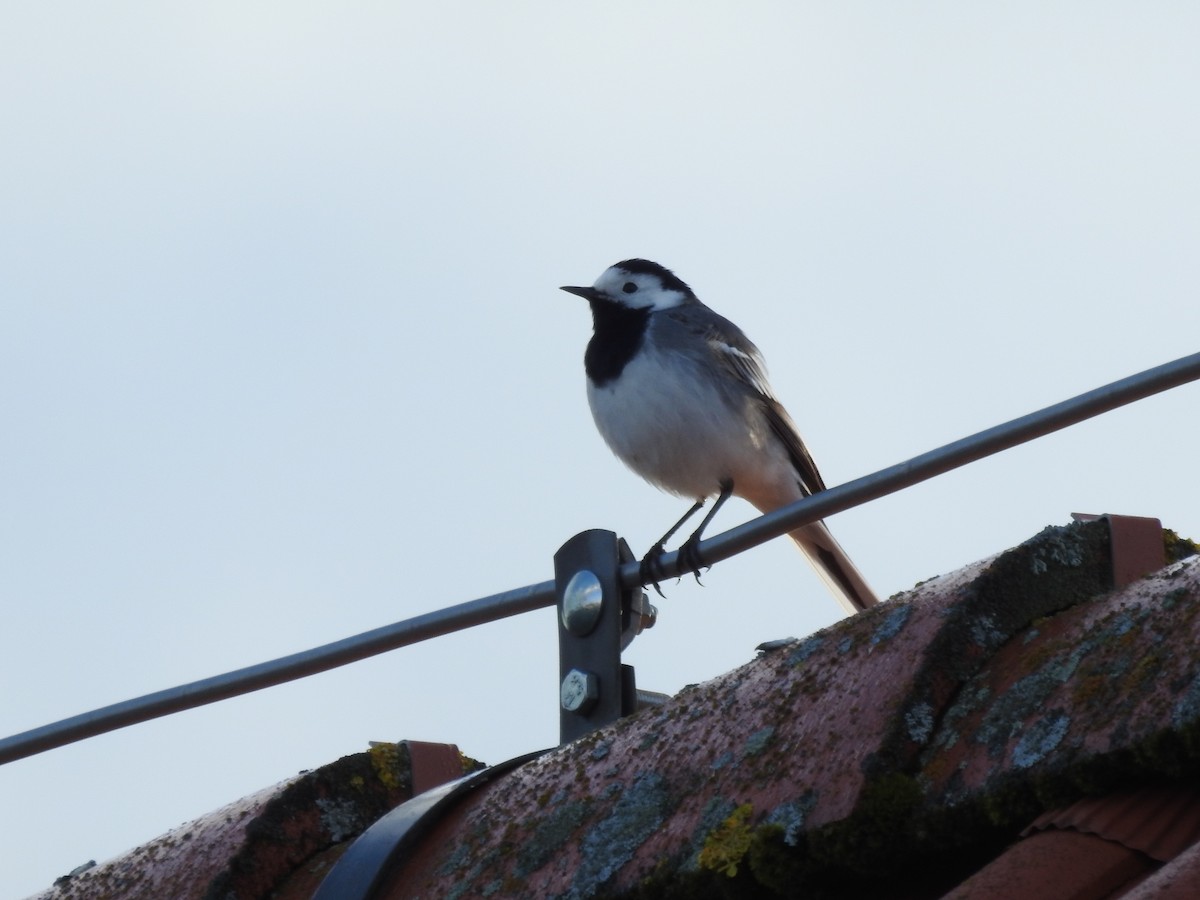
[[538, 596], [277, 671]]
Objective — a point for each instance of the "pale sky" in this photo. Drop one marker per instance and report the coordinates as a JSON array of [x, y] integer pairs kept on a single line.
[[283, 357]]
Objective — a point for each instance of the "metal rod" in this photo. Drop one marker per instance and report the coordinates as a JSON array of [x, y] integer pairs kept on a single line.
[[935, 462], [277, 671], [537, 596]]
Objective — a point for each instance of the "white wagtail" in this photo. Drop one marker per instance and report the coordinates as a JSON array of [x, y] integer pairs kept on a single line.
[[680, 395]]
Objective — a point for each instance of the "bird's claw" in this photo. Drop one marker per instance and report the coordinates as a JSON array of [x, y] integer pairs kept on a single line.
[[689, 555], [650, 571]]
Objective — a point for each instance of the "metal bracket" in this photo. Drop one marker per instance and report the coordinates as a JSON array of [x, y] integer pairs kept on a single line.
[[596, 621]]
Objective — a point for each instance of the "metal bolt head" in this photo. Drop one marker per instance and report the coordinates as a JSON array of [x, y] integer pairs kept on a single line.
[[581, 603], [579, 692]]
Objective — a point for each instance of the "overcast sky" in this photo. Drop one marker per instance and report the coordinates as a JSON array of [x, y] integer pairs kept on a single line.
[[283, 358]]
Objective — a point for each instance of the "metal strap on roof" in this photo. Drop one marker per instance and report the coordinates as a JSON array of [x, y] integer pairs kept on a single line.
[[365, 866]]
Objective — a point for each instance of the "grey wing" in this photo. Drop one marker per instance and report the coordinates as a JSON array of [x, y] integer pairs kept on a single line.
[[781, 423], [739, 356]]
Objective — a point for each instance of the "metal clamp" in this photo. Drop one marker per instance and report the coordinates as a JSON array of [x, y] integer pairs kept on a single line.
[[597, 619]]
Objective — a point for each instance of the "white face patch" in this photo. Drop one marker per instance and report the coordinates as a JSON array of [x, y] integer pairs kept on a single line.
[[637, 290]]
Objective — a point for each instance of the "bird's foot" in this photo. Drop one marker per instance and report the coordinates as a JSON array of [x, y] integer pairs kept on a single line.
[[651, 571], [689, 556]]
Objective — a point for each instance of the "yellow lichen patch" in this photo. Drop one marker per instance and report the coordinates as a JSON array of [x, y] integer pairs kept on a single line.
[[727, 845], [385, 760]]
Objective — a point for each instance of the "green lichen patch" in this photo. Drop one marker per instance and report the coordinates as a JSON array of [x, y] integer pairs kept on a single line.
[[1177, 547], [390, 766], [729, 842], [715, 811]]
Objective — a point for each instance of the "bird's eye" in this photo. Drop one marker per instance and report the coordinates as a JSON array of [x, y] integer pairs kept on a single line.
[[629, 287]]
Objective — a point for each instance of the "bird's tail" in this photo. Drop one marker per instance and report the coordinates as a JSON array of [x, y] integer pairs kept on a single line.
[[836, 569]]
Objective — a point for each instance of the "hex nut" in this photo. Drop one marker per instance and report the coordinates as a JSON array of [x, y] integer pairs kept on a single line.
[[579, 692]]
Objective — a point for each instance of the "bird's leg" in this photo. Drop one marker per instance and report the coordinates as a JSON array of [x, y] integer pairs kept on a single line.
[[689, 552], [650, 570]]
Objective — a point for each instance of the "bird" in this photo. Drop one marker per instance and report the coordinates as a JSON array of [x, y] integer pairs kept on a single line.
[[680, 395]]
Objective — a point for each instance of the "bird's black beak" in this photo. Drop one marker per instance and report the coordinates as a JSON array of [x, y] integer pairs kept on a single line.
[[587, 293]]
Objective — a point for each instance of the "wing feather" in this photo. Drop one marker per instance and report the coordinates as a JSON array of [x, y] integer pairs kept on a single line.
[[746, 365]]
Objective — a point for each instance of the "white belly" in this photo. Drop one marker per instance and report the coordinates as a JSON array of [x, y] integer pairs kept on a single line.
[[682, 437]]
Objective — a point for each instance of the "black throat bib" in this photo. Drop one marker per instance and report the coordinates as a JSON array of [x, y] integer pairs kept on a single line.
[[618, 333]]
